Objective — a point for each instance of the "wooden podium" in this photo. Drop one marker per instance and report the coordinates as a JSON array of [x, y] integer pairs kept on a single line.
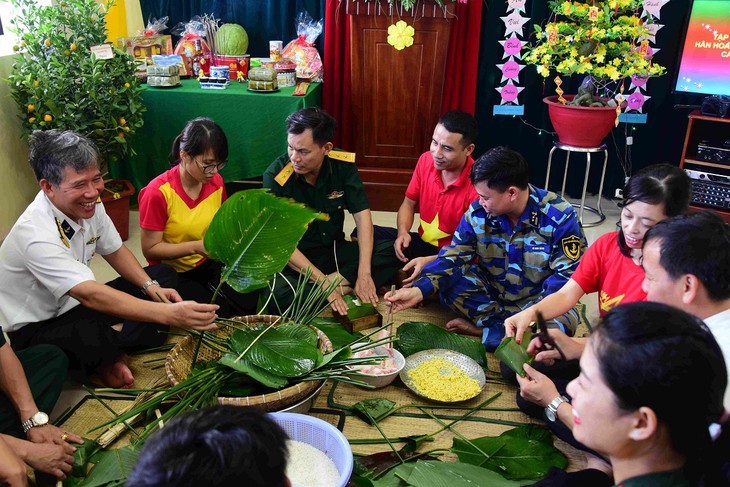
[[396, 95]]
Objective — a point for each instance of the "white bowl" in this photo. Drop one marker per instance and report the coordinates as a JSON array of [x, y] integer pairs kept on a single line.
[[383, 380]]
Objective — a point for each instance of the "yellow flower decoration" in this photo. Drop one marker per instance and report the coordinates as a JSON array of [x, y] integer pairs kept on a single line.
[[400, 35]]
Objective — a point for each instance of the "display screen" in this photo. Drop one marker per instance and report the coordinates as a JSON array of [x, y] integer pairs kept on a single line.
[[704, 66]]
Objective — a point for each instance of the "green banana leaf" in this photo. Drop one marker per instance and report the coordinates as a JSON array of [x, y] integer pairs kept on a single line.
[[254, 234], [435, 473], [523, 453], [335, 332], [514, 355], [357, 309], [276, 352], [414, 336], [111, 467], [301, 332], [81, 456], [255, 372]]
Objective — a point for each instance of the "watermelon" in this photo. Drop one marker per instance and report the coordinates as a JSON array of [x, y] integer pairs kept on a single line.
[[231, 40]]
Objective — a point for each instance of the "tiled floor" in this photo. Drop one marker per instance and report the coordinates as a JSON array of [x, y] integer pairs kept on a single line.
[[103, 272]]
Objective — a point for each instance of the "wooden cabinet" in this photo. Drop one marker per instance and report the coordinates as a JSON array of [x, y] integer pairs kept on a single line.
[[396, 95], [706, 157]]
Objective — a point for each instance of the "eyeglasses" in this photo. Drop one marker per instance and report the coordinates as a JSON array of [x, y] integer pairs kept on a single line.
[[209, 168]]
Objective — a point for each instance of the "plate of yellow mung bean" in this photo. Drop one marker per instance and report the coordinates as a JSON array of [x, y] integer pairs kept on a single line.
[[443, 375]]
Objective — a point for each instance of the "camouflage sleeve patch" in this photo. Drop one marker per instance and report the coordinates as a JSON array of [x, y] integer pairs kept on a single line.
[[571, 247]]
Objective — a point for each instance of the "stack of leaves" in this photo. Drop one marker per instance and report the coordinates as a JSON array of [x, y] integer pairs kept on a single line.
[[416, 336]]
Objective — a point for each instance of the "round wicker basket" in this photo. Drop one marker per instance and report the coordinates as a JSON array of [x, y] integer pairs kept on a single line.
[[180, 358]]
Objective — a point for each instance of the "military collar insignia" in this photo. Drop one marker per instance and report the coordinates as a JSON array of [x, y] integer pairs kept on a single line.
[[284, 174], [65, 231]]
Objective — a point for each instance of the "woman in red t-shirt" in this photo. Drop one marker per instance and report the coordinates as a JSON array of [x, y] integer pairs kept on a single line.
[[612, 265]]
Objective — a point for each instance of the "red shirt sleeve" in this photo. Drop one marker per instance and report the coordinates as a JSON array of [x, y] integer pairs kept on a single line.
[[414, 187], [152, 209]]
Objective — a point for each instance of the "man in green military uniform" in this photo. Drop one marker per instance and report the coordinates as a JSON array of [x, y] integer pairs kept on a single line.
[[327, 181]]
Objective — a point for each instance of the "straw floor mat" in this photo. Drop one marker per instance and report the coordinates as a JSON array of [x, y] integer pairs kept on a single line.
[[334, 400]]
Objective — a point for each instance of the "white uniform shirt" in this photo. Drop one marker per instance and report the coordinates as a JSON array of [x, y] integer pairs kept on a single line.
[[44, 256], [719, 325]]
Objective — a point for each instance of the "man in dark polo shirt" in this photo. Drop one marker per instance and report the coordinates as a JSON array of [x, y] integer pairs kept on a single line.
[[327, 181]]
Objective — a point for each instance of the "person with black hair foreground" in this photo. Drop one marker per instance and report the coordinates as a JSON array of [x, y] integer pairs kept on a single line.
[[50, 294], [441, 192], [687, 264], [515, 245], [217, 446], [638, 361], [327, 180], [175, 211]]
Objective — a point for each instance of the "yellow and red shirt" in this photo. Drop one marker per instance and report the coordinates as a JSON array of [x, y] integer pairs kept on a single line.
[[440, 208], [164, 206]]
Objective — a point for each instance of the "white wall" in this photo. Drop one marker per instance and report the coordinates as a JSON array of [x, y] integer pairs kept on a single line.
[[17, 182]]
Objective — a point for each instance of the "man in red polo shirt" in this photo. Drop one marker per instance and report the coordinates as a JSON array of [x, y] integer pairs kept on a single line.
[[441, 189]]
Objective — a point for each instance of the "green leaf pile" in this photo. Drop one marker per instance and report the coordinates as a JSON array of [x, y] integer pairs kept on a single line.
[[254, 234], [523, 453], [414, 336], [357, 309], [276, 352], [335, 332], [441, 474]]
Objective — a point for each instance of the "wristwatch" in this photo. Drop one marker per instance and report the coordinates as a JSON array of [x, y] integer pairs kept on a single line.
[[38, 419], [552, 410], [147, 284]]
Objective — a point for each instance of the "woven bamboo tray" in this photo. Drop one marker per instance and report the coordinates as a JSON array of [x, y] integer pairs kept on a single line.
[[180, 358]]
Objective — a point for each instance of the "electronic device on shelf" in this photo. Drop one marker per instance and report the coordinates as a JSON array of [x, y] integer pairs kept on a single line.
[[711, 190], [714, 151]]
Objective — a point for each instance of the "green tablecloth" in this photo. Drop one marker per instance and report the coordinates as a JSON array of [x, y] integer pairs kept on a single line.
[[253, 122]]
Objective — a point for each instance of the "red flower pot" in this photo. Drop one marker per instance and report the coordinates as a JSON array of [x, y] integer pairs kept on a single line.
[[116, 204], [580, 126]]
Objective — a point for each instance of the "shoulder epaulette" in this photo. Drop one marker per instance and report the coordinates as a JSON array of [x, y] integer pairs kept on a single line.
[[343, 156], [284, 174]]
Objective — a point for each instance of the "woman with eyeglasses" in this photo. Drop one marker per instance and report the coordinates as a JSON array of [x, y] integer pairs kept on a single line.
[[176, 208]]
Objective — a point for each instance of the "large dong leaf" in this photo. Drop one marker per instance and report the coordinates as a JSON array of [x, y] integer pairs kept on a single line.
[[277, 353], [254, 234], [110, 466], [442, 474], [254, 371], [414, 336], [521, 453], [302, 332]]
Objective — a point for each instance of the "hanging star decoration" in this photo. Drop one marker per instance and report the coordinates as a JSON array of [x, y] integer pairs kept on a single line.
[[509, 92], [653, 29], [431, 232], [510, 70], [516, 5], [512, 46], [514, 22], [653, 8], [400, 35]]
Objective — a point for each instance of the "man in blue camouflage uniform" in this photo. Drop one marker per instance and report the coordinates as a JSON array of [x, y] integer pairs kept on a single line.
[[515, 245]]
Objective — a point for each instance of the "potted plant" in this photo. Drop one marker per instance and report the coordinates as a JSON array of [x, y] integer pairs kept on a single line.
[[604, 40], [58, 82]]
